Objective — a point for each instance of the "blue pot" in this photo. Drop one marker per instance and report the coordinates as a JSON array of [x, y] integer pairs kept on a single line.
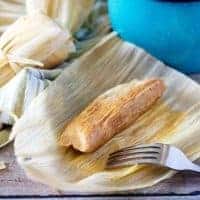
[[169, 30]]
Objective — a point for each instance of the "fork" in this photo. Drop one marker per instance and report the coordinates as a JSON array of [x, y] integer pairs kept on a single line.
[[157, 154]]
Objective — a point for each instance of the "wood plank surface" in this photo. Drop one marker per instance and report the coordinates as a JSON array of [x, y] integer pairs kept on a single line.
[[124, 198], [14, 183]]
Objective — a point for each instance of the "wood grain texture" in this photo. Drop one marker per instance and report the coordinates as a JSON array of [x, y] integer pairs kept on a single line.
[[123, 198], [13, 182]]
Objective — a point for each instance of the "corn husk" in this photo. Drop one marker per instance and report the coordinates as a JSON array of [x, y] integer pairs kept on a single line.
[[174, 120], [17, 94], [4, 136], [2, 165], [10, 11], [33, 40], [70, 14]]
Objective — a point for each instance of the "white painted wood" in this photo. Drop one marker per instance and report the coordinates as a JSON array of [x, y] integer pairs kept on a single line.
[[14, 182]]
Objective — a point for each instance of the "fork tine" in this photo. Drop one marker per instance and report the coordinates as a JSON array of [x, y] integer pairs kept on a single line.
[[134, 156], [142, 146], [130, 162], [149, 150], [140, 154]]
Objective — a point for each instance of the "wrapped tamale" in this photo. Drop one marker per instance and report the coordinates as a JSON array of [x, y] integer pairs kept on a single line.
[[69, 13], [33, 40]]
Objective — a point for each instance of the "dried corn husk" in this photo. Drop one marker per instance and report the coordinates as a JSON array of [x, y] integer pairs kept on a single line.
[[33, 40], [10, 11], [71, 14], [4, 136], [18, 93], [2, 165], [173, 120]]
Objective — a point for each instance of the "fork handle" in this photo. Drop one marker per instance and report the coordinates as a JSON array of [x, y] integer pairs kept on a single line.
[[193, 167]]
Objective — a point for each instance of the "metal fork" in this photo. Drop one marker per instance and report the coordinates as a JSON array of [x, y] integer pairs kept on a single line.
[[157, 154]]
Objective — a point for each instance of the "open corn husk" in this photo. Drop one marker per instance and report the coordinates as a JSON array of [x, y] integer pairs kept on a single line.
[[17, 94], [33, 40], [70, 14], [175, 120], [10, 11]]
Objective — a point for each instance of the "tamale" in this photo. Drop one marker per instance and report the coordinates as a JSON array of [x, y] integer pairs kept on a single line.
[[69, 13], [110, 113], [33, 40]]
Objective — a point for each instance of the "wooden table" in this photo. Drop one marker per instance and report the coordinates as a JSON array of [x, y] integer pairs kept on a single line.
[[14, 184]]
